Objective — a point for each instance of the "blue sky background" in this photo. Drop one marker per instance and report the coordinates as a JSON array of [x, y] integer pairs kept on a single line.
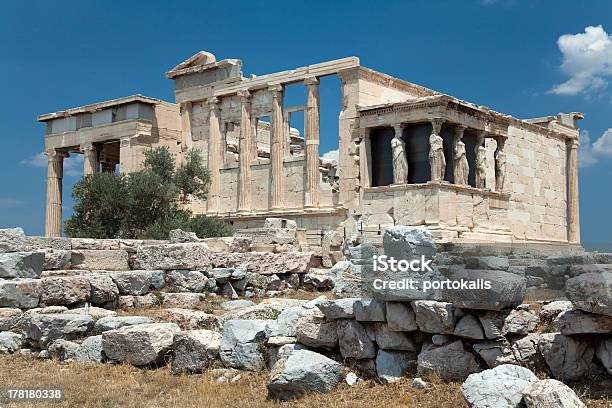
[[503, 54]]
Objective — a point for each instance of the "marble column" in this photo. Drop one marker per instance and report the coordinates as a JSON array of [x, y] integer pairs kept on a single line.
[[186, 136], [90, 164], [573, 210], [277, 136], [55, 172], [311, 129], [244, 144], [214, 155]]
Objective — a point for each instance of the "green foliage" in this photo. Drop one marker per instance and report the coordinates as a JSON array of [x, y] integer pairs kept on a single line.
[[192, 178], [146, 204], [99, 206]]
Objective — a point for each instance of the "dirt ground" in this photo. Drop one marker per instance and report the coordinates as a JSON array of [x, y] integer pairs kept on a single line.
[[119, 385]]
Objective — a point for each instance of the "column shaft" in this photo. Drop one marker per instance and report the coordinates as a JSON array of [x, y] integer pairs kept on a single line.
[[573, 209], [53, 215], [244, 169], [90, 164], [311, 128], [214, 156], [277, 135]]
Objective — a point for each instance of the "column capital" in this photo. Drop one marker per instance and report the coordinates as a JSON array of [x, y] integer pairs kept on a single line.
[[275, 89], [87, 147], [573, 143], [244, 95], [311, 81], [436, 124], [56, 155], [399, 127], [213, 102], [459, 129]]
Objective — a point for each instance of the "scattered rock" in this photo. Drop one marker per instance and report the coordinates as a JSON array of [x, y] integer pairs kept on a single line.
[[241, 345], [21, 264], [500, 387], [313, 331], [95, 312], [191, 255], [319, 281], [303, 372], [579, 322], [103, 289], [10, 342], [520, 322], [185, 281], [434, 317], [549, 312], [141, 344], [435, 360], [492, 324], [568, 358], [132, 282], [63, 350], [43, 329], [469, 327], [20, 293], [65, 291], [369, 310], [195, 350], [338, 309], [12, 240], [188, 319], [391, 340], [419, 384], [236, 304], [116, 322], [591, 292], [495, 353], [183, 300], [178, 236], [393, 365], [100, 260], [354, 341], [57, 259], [400, 317], [90, 350], [550, 394], [9, 318]]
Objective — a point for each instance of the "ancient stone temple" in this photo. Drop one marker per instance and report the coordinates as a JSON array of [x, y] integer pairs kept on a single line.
[[408, 155]]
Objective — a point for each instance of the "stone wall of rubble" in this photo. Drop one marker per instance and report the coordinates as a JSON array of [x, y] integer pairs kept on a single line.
[[114, 273]]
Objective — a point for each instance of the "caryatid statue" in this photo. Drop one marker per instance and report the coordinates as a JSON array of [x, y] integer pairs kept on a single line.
[[500, 166], [461, 169], [437, 161], [481, 160], [400, 162]]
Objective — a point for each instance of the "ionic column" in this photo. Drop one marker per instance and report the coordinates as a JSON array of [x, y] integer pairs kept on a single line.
[[53, 214], [90, 165], [244, 168], [311, 128], [214, 155], [277, 135], [573, 210]]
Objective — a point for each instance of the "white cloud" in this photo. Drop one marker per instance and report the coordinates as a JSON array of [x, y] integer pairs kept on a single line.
[[332, 155], [73, 165], [590, 153], [587, 60]]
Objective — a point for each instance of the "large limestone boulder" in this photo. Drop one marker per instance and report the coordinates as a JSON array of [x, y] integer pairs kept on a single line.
[[569, 358], [132, 282], [391, 366], [12, 240], [469, 327], [141, 344], [185, 281], [549, 312], [266, 263], [401, 317], [196, 255], [21, 264], [20, 293], [507, 289], [388, 339], [434, 317], [354, 341], [347, 279], [242, 344], [338, 309], [550, 394], [195, 350], [116, 322], [90, 350], [579, 322], [188, 319], [9, 318], [43, 329], [520, 322], [405, 242], [183, 300], [313, 330], [10, 342], [100, 260], [57, 259], [500, 387], [63, 350], [436, 360], [65, 291], [178, 236], [303, 372], [369, 310], [591, 292], [229, 244], [103, 289]]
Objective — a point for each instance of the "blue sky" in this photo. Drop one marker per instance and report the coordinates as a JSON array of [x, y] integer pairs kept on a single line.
[[525, 58]]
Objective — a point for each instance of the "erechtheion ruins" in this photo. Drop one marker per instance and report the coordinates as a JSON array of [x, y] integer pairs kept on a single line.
[[408, 155]]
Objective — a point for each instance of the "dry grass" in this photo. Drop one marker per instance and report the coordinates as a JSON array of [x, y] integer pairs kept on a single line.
[[108, 385]]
